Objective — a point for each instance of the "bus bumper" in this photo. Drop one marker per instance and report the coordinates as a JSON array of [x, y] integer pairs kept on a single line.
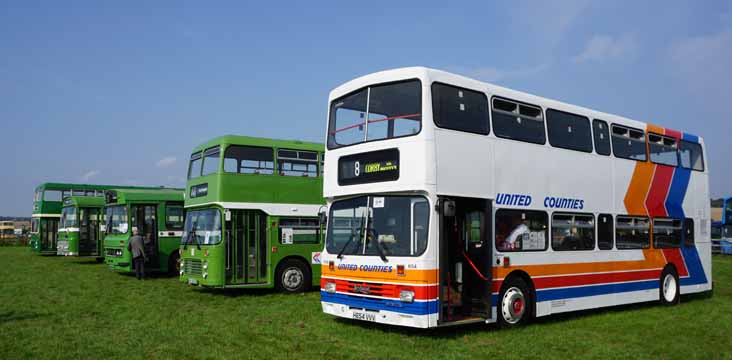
[[377, 316]]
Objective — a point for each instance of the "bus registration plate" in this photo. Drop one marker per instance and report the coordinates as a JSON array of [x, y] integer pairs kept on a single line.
[[364, 316], [192, 282]]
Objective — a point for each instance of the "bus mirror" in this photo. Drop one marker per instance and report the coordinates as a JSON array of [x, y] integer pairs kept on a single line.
[[448, 208], [323, 218], [227, 215]]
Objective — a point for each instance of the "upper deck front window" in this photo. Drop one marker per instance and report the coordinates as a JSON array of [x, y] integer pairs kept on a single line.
[[375, 113]]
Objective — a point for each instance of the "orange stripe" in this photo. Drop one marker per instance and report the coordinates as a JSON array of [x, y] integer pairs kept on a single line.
[[640, 183], [410, 276]]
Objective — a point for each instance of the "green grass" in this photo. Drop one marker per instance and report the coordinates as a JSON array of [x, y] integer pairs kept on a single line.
[[75, 308]]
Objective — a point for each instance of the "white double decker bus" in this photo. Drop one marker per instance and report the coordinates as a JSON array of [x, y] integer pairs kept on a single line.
[[454, 201]]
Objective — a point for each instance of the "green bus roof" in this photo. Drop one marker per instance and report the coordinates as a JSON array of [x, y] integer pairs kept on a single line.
[[70, 186], [257, 141], [153, 195], [83, 201]]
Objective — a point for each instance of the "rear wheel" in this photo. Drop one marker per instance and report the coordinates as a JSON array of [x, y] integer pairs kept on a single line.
[[669, 287], [174, 264], [292, 277], [515, 303]]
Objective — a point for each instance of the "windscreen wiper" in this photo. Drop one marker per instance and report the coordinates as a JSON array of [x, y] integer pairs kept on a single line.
[[190, 234], [340, 253]]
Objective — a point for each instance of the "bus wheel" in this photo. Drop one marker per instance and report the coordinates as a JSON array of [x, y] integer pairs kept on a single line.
[[292, 277], [669, 287], [515, 303], [174, 264]]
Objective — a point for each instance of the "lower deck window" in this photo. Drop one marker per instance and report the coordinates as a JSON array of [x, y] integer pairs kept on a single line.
[[632, 232], [666, 233], [519, 230], [573, 232], [299, 231]]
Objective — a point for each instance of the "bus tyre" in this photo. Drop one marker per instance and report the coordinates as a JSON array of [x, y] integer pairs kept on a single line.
[[174, 264], [292, 277], [515, 303], [669, 287]]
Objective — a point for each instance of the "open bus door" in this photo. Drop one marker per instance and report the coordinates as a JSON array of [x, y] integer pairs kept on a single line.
[[246, 248], [145, 219], [465, 259], [88, 231]]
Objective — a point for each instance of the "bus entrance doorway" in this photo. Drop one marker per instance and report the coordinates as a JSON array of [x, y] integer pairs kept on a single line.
[[247, 246], [465, 259], [144, 217]]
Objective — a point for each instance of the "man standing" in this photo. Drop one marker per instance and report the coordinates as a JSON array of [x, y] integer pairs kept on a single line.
[[136, 247]]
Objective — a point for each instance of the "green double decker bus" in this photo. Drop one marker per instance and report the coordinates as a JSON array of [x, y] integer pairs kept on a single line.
[[47, 205], [158, 216], [81, 228], [252, 209]]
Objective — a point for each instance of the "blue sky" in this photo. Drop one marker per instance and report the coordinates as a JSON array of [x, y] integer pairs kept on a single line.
[[119, 92]]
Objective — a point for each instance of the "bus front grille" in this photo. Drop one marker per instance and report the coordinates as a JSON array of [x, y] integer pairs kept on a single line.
[[192, 267]]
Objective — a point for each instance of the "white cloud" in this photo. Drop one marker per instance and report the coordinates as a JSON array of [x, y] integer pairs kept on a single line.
[[167, 161], [89, 175], [604, 47], [530, 17]]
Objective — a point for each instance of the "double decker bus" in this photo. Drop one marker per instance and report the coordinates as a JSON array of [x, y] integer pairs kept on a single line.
[[81, 228], [157, 214], [47, 205], [454, 201], [252, 214]]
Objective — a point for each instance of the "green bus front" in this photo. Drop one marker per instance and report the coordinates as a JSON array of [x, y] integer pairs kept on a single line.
[[251, 215], [81, 228], [158, 216]]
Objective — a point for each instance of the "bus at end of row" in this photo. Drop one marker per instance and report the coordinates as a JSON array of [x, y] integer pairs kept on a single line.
[[158, 216], [252, 214], [454, 201]]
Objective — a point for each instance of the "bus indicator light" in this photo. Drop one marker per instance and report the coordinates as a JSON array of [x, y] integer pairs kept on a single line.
[[506, 261], [331, 266], [274, 249], [205, 252], [400, 270]]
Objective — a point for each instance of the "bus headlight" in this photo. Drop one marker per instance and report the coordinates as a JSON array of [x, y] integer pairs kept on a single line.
[[181, 272], [205, 265], [330, 287], [182, 263], [406, 296], [205, 275]]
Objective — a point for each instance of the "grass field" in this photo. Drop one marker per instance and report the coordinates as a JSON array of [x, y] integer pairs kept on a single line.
[[75, 308]]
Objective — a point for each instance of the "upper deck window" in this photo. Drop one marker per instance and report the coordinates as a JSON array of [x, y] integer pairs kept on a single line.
[[249, 160], [52, 195], [518, 121], [691, 156], [297, 163], [568, 131], [602, 137], [376, 112], [460, 109], [194, 168], [211, 160], [663, 149], [629, 143]]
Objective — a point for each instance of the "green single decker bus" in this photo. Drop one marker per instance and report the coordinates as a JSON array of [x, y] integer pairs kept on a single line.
[[252, 209], [158, 216], [81, 228], [47, 204]]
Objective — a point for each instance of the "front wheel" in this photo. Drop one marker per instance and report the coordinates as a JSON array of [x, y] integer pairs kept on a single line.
[[292, 277], [669, 287], [515, 303], [174, 264]]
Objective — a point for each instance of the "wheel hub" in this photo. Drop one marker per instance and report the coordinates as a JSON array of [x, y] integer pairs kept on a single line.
[[292, 278], [669, 288], [513, 305]]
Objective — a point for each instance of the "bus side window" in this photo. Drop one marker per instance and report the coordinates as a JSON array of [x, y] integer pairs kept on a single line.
[[568, 131], [521, 230], [174, 217], [518, 121], [460, 109], [691, 156], [602, 137], [632, 232], [666, 233], [629, 143], [689, 232], [605, 232]]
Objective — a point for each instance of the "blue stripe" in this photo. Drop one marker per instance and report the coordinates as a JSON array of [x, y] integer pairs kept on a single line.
[[593, 290], [694, 266], [677, 193], [415, 308]]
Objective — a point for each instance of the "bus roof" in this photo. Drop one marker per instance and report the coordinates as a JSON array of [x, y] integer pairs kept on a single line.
[[419, 72], [84, 201], [155, 195], [257, 141], [70, 186]]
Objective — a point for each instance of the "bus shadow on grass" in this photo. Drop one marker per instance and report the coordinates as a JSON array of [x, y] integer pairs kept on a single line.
[[11, 316], [468, 329], [237, 292]]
